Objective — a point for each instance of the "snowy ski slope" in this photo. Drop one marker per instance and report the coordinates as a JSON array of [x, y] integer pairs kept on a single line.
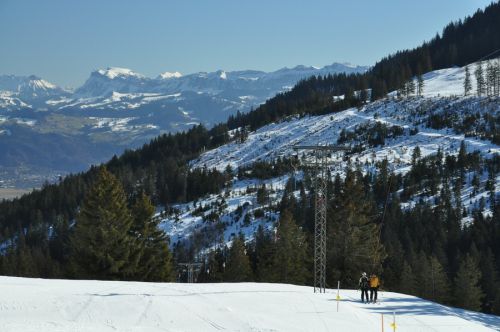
[[38, 305]]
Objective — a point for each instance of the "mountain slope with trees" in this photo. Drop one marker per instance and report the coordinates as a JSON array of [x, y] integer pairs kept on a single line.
[[415, 198]]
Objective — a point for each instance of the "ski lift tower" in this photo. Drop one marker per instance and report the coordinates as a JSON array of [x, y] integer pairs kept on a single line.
[[191, 269], [320, 166]]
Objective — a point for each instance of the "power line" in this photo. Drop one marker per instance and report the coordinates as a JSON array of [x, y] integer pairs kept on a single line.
[[488, 55]]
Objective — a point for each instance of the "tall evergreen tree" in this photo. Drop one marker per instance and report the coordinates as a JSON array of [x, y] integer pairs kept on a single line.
[[415, 156], [420, 85], [467, 82], [238, 264], [497, 77], [440, 285], [490, 78], [354, 243], [468, 293], [408, 281], [213, 267], [290, 257], [101, 245], [152, 254], [410, 87], [422, 271], [489, 281], [23, 265], [264, 256], [480, 81]]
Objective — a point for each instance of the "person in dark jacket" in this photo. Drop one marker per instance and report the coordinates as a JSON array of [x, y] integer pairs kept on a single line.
[[364, 285]]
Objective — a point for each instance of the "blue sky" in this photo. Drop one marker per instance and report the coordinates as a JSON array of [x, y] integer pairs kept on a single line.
[[64, 40]]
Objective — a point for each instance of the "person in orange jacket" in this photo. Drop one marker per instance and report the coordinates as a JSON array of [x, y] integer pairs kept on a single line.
[[374, 285]]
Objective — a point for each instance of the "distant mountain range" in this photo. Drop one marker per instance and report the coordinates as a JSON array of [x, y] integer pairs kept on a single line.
[[47, 131]]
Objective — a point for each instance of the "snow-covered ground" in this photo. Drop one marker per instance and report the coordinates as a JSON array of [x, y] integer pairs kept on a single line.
[[38, 305]]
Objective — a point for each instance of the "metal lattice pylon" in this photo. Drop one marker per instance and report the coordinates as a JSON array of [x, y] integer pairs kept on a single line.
[[320, 205], [192, 270], [321, 153]]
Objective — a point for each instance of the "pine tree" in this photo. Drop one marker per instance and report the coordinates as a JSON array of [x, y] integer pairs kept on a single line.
[[468, 293], [238, 264], [420, 85], [422, 271], [476, 183], [101, 245], [415, 156], [262, 195], [290, 256], [495, 309], [440, 284], [152, 254], [489, 281], [354, 236], [480, 82], [408, 281], [24, 265], [213, 267], [462, 156], [490, 78], [393, 265], [497, 77], [264, 256], [467, 82], [410, 87]]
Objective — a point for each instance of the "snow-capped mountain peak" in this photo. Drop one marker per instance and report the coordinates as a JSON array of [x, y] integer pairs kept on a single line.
[[36, 83], [114, 72], [29, 88], [168, 75], [103, 82]]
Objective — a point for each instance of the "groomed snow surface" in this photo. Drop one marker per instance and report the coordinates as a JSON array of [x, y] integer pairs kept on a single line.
[[67, 305]]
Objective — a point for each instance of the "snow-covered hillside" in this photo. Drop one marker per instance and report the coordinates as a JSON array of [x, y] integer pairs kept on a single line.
[[37, 305], [277, 139], [410, 116], [442, 90]]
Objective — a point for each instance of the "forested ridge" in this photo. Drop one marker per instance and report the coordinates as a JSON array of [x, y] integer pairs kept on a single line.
[[461, 43], [38, 230]]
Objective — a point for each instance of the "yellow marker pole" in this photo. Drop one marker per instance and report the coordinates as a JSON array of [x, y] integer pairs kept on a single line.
[[393, 325], [338, 295]]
